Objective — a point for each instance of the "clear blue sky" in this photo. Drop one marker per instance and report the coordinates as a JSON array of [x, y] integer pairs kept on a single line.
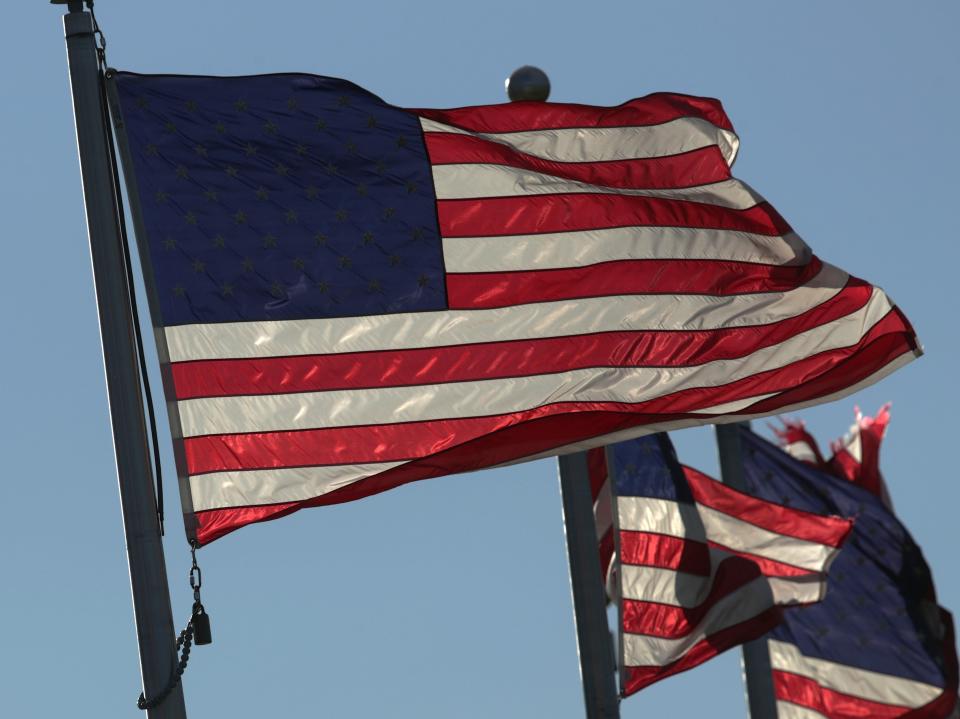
[[448, 598]]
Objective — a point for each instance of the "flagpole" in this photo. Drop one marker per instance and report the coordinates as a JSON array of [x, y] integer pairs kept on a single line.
[[594, 643], [755, 655], [148, 574]]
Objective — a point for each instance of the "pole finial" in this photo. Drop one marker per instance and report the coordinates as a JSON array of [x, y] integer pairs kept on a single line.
[[528, 83]]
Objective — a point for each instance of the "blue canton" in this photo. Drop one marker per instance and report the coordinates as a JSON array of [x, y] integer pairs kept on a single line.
[[281, 197], [879, 612], [648, 467]]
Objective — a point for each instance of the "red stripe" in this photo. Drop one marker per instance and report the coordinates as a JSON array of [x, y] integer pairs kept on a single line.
[[769, 567], [485, 290], [806, 692], [519, 116], [826, 373], [844, 465], [596, 470], [697, 167], [488, 449], [666, 552], [392, 442], [831, 531], [497, 360], [871, 437], [794, 432], [636, 678], [691, 556], [532, 214], [542, 430], [837, 705], [671, 622]]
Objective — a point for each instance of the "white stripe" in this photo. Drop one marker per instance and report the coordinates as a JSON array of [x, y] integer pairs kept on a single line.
[[801, 450], [577, 249], [853, 443], [641, 431], [873, 686], [523, 322], [740, 606], [679, 589], [737, 405], [892, 366], [239, 488], [598, 144], [269, 486], [699, 522], [385, 405], [787, 710], [458, 182]]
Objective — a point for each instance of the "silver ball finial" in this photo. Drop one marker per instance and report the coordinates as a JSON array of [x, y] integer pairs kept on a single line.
[[528, 83]]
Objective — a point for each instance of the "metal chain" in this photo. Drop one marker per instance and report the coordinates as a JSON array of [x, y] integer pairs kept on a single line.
[[196, 578], [185, 640], [101, 38]]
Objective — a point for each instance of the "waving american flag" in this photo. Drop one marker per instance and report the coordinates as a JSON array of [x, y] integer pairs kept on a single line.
[[878, 645], [351, 296], [701, 567]]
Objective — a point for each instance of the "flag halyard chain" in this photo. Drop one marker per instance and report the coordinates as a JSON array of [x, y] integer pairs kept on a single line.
[[184, 640], [101, 44], [197, 631], [199, 619]]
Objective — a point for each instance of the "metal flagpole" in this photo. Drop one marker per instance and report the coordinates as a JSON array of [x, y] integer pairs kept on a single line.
[[597, 669], [148, 573], [755, 660]]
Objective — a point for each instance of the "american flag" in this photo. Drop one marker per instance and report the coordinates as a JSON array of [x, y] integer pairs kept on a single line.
[[701, 567], [351, 296], [878, 645]]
